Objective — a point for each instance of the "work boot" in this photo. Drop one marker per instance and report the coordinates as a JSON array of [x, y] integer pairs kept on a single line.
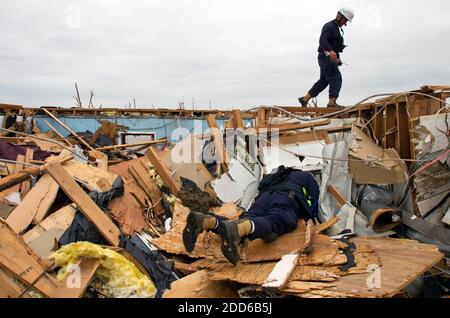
[[332, 103], [195, 225], [304, 100], [232, 233]]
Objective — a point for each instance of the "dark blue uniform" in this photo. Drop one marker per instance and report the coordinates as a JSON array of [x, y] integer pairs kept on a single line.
[[330, 39], [277, 212]]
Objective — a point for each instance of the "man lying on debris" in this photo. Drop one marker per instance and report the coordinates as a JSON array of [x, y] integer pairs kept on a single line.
[[284, 197]]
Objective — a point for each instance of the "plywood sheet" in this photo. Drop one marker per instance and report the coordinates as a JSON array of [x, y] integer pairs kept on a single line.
[[198, 285]]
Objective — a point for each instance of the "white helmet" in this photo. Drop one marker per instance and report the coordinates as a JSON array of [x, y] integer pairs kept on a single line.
[[347, 13]]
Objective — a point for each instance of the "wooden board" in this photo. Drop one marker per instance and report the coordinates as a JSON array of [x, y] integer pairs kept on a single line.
[[402, 262], [8, 287], [142, 177], [198, 285], [127, 209], [23, 175], [25, 186], [18, 259], [34, 205], [162, 171], [102, 159], [104, 224], [55, 224], [90, 176], [87, 268]]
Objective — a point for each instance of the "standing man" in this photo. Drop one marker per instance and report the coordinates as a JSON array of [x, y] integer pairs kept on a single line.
[[331, 44]]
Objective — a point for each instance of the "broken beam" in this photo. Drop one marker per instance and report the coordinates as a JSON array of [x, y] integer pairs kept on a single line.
[[103, 223]]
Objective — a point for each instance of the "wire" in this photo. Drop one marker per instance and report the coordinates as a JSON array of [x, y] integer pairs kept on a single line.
[[45, 139], [20, 162]]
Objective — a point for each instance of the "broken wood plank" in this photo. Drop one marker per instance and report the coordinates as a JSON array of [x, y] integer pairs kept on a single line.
[[337, 195], [34, 205], [298, 126], [126, 210], [92, 177], [142, 177], [23, 175], [103, 223], [58, 133], [397, 270], [221, 152], [68, 129], [9, 288], [25, 186], [74, 287], [326, 225], [282, 271], [198, 285], [162, 171], [19, 260], [101, 158], [237, 119], [134, 144], [280, 274], [308, 237], [41, 238]]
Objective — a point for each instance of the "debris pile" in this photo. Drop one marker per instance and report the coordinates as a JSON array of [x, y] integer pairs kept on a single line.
[[90, 214]]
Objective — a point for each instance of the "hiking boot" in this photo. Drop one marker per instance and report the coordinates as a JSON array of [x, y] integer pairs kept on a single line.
[[303, 102], [196, 224], [232, 233], [332, 104]]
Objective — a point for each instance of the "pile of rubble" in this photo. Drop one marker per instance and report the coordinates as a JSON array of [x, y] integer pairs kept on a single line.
[[81, 216]]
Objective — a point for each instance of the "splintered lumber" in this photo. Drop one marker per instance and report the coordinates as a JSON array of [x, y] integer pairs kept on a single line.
[[8, 287], [397, 270], [337, 195], [85, 204], [297, 126], [23, 175], [92, 177], [280, 274], [68, 129], [58, 133], [75, 283], [308, 237], [34, 205], [19, 260], [25, 187], [162, 171], [41, 238], [142, 177], [198, 285], [102, 159], [221, 152], [384, 268], [127, 210], [237, 119], [134, 144], [326, 225]]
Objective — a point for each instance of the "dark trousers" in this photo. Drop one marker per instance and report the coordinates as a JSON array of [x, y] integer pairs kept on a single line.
[[273, 214], [329, 75]]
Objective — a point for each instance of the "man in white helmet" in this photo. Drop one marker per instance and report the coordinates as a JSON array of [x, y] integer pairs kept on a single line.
[[331, 44]]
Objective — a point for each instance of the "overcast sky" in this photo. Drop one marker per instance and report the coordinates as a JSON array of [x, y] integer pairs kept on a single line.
[[234, 53]]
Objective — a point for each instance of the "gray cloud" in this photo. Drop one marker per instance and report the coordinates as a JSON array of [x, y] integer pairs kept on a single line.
[[234, 53]]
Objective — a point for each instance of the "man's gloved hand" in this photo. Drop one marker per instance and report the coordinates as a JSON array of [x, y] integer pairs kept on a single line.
[[338, 62]]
